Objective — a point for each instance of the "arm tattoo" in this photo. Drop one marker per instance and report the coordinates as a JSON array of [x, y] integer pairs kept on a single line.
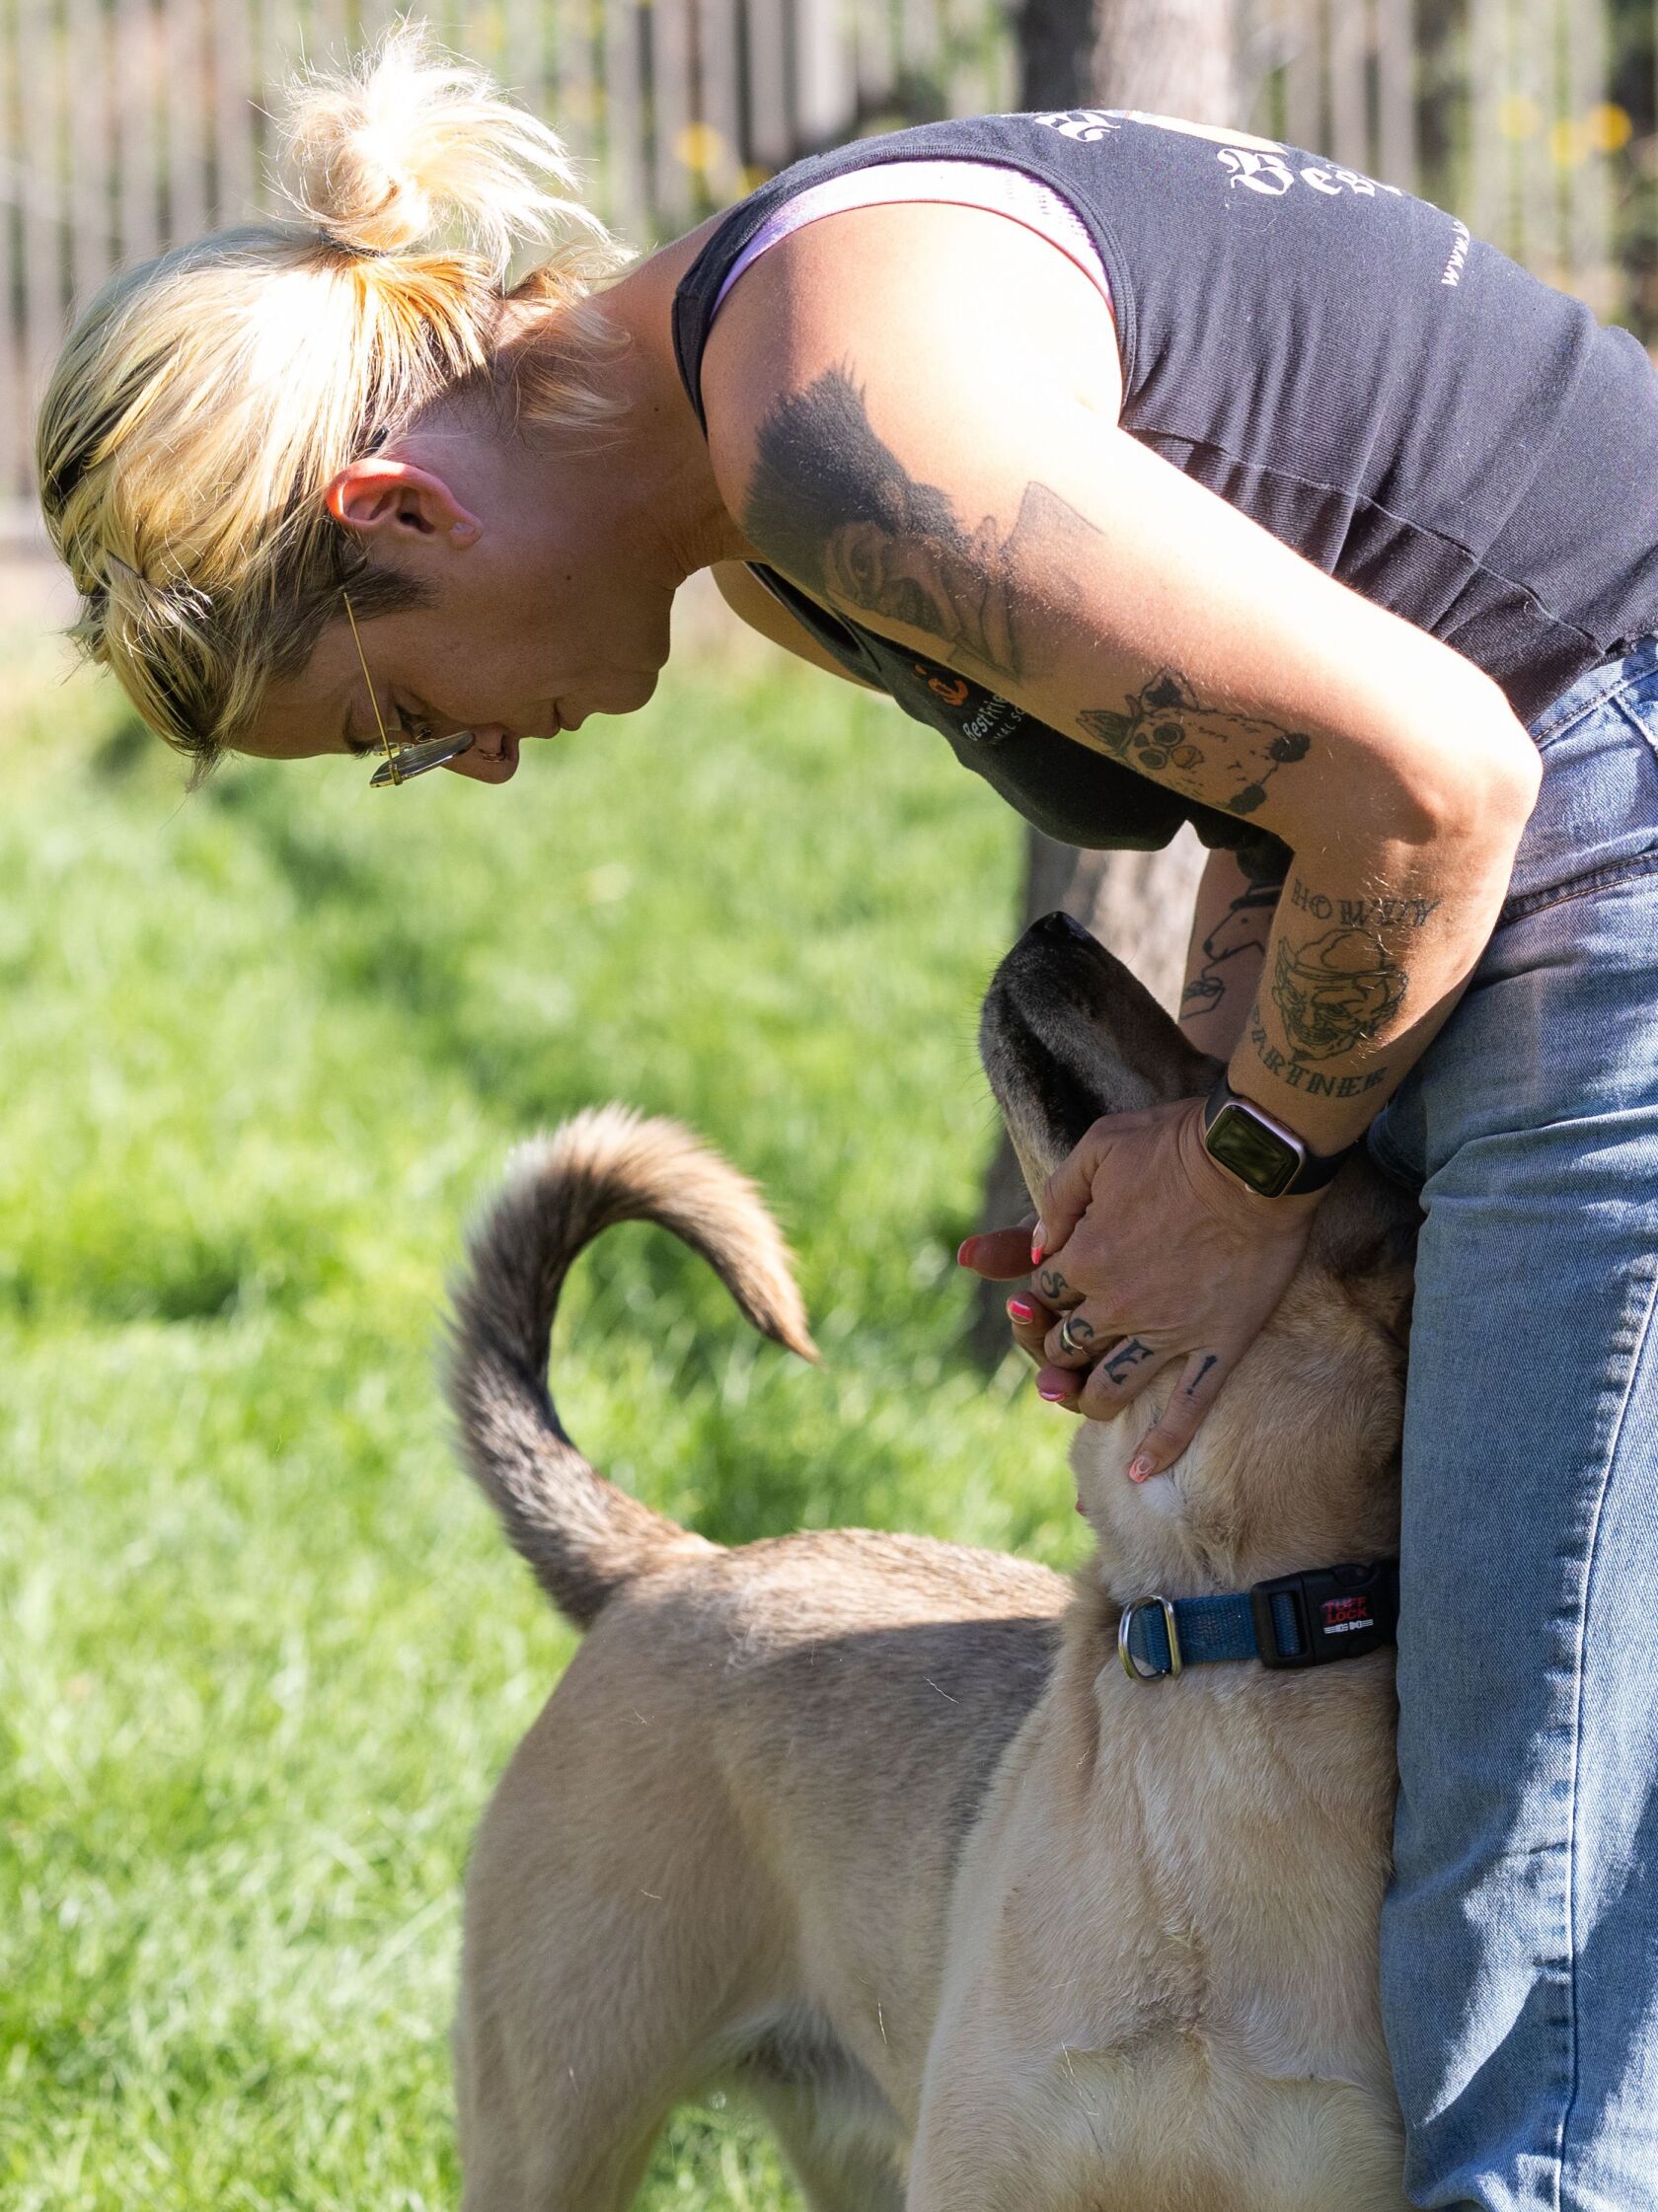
[[1335, 993], [1165, 728], [1342, 989], [1363, 914], [833, 504], [1243, 929], [1298, 1076]]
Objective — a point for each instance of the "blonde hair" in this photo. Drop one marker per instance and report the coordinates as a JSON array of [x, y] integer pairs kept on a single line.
[[206, 398]]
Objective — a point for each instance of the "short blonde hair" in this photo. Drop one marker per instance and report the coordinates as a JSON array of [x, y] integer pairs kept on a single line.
[[206, 398]]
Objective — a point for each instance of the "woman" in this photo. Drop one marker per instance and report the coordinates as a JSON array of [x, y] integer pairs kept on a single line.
[[1171, 475]]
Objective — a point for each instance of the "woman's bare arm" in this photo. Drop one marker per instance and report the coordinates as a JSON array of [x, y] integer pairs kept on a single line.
[[1230, 927], [914, 431]]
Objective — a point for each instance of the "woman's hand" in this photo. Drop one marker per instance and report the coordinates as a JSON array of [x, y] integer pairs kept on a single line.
[[1145, 1253]]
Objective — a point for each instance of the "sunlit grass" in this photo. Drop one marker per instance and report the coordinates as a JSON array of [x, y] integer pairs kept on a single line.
[[262, 1653]]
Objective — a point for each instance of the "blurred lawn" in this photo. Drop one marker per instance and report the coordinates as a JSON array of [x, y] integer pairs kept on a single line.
[[262, 1653]]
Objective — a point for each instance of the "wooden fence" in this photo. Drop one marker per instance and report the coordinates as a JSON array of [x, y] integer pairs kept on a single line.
[[127, 123], [1533, 120]]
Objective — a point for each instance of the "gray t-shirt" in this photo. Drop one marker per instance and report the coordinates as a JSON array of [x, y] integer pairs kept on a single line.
[[1397, 400]]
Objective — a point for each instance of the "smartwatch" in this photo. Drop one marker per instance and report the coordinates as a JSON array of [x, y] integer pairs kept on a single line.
[[1261, 1152]]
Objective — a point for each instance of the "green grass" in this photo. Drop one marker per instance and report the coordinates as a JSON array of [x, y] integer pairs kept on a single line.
[[262, 1652]]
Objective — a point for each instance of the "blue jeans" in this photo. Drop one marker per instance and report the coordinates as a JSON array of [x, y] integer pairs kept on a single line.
[[1520, 1935]]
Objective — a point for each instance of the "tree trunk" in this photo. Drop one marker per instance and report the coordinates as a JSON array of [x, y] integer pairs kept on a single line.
[[1169, 57]]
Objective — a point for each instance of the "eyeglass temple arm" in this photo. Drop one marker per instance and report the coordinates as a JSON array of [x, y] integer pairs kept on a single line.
[[368, 681]]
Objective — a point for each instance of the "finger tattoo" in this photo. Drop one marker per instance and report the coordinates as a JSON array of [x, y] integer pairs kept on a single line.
[[1129, 1354], [1210, 1358]]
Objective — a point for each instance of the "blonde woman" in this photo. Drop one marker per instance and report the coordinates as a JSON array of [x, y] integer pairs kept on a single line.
[[1169, 475]]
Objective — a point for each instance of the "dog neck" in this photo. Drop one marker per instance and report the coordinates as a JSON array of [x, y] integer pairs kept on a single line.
[[1240, 1506], [1149, 1538]]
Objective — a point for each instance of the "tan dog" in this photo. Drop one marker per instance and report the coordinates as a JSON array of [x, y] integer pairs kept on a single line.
[[877, 1830]]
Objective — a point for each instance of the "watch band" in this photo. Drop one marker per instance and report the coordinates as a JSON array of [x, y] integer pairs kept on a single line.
[[1271, 1159]]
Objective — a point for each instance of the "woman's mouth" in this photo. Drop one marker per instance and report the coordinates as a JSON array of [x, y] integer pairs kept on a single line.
[[493, 757]]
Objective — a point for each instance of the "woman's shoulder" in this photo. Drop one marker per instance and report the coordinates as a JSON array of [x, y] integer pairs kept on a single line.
[[919, 303]]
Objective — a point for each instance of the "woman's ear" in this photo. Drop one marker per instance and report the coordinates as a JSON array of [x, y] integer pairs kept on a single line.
[[396, 499]]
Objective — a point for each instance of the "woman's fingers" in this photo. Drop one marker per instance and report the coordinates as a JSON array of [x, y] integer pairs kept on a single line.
[[1060, 1386], [1031, 1320], [1056, 1289], [1183, 1417], [1069, 1189], [1119, 1375], [999, 1255], [1099, 1384], [1074, 1338]]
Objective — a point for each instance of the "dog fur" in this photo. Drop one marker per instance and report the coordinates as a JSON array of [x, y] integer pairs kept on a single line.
[[874, 1830]]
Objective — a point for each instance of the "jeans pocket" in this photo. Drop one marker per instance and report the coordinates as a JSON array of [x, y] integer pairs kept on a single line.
[[1596, 816], [1639, 707]]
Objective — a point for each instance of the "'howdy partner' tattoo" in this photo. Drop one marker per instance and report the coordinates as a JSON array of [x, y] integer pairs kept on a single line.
[[1336, 994], [1363, 914], [1338, 991], [1299, 1077], [1342, 989]]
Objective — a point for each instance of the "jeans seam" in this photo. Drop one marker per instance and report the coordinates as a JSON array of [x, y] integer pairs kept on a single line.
[[1620, 678], [1636, 1353], [1580, 885]]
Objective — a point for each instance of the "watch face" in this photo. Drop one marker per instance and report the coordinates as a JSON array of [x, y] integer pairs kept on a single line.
[[1255, 1154]]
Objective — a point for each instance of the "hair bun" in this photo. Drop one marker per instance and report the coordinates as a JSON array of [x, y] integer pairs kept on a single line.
[[413, 148]]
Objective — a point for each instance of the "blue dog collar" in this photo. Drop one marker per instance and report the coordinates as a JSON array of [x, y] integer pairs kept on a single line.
[[1305, 1619]]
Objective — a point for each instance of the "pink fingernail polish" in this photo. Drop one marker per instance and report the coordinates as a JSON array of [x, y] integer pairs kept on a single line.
[[1036, 1255], [1052, 1391], [962, 1251], [1021, 1310], [1139, 1469]]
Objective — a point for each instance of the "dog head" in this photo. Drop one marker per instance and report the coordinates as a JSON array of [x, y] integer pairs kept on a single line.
[[1296, 1464]]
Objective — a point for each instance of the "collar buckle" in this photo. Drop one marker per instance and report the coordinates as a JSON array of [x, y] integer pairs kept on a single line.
[[1125, 1649], [1325, 1613]]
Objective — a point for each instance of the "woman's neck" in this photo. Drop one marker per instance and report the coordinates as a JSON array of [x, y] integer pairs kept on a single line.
[[660, 448]]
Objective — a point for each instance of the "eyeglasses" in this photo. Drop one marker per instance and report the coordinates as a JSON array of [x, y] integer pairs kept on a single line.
[[404, 756]]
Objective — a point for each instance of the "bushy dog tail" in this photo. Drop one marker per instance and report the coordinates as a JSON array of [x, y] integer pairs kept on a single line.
[[584, 1538]]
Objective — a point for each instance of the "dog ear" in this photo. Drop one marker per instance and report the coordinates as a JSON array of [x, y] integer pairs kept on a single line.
[[1067, 1034]]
